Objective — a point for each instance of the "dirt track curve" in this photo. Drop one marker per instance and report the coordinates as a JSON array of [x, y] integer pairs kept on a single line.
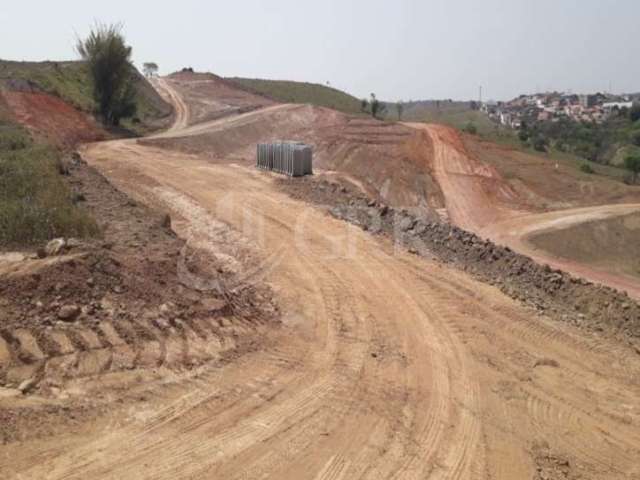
[[387, 365]]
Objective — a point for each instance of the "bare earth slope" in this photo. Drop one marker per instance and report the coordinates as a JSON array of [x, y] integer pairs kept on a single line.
[[478, 198], [386, 160], [387, 365]]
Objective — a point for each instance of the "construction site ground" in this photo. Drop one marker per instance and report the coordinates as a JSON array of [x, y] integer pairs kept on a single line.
[[276, 341]]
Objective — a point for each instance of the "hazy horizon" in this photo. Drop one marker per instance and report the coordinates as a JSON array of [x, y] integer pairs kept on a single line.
[[409, 50]]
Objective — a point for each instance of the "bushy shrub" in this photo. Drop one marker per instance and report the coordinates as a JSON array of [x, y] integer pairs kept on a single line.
[[471, 128], [586, 168]]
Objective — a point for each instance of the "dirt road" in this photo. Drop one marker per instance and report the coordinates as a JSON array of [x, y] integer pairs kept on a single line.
[[387, 365]]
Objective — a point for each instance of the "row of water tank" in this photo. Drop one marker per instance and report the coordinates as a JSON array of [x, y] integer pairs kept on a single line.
[[289, 158]]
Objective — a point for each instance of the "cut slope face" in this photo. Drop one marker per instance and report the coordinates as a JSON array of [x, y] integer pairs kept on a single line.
[[209, 96], [386, 160], [53, 120], [475, 194], [70, 82], [545, 184]]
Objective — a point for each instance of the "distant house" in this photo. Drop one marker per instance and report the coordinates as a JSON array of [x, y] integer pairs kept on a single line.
[[611, 106], [544, 116], [588, 101]]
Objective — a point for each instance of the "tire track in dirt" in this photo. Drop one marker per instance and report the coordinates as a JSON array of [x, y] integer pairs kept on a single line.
[[387, 365]]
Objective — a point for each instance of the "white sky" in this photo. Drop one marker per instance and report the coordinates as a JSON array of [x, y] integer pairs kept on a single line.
[[402, 49]]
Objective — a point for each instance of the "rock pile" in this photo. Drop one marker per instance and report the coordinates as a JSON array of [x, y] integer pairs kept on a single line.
[[544, 289]]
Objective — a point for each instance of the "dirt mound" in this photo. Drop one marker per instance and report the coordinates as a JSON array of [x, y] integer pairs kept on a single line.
[[613, 244], [53, 120], [548, 291], [115, 306]]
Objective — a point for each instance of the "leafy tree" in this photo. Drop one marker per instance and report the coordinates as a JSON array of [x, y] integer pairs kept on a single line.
[[150, 69], [632, 163], [377, 108], [364, 105], [109, 60], [634, 113], [523, 135], [400, 109], [470, 128], [539, 143]]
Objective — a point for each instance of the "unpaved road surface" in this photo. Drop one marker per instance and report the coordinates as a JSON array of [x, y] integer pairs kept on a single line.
[[387, 365]]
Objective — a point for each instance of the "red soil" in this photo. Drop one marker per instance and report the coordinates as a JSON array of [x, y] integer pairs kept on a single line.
[[53, 119]]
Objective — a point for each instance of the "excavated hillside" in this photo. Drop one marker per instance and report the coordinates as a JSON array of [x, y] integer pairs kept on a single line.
[[389, 161]]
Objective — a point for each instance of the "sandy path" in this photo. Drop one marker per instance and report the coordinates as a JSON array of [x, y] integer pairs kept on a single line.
[[181, 120], [387, 365]]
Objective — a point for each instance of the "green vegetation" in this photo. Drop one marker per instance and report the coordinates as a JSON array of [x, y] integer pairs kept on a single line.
[[376, 107], [471, 128], [300, 92], [632, 163], [586, 168], [605, 143], [150, 69], [35, 204], [108, 59], [71, 82]]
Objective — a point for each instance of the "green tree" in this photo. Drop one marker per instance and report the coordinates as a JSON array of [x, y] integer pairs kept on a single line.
[[109, 60], [364, 105], [150, 69], [523, 135], [539, 143], [470, 128], [632, 163], [634, 113], [400, 109], [377, 108]]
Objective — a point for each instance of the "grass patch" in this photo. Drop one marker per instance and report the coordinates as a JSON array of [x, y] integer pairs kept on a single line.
[[35, 203], [302, 92]]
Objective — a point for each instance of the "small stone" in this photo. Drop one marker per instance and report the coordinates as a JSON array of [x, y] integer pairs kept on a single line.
[[73, 243], [28, 385], [166, 221], [55, 247], [69, 313]]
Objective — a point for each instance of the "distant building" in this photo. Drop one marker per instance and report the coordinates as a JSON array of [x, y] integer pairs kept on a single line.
[[588, 101], [611, 106]]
